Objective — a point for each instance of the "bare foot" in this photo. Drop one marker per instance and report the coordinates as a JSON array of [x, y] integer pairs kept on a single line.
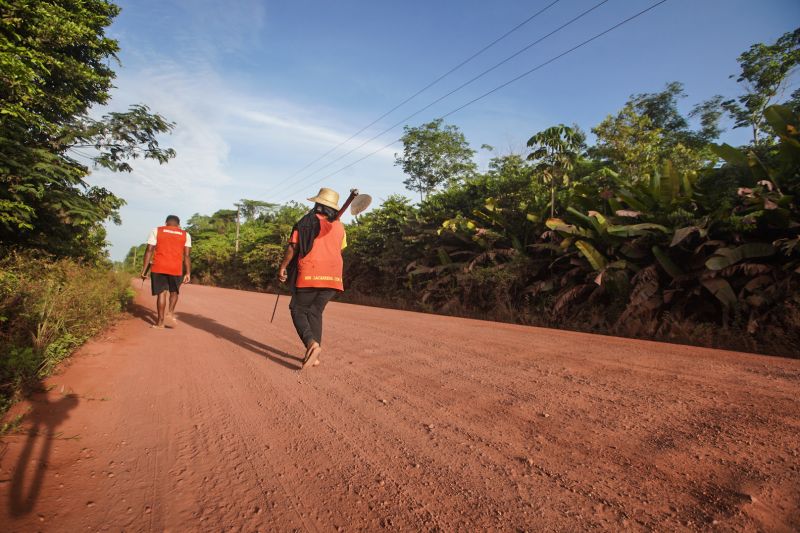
[[316, 363], [156, 326], [172, 320], [313, 355]]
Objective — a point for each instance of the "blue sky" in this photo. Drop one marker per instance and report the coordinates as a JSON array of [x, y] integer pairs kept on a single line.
[[258, 89]]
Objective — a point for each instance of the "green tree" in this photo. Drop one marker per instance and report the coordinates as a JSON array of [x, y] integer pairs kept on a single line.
[[252, 209], [630, 141], [662, 110], [55, 65], [765, 73], [710, 113], [434, 155], [662, 107], [555, 152]]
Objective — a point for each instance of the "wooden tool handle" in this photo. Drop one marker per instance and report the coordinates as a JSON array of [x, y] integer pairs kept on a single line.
[[353, 194]]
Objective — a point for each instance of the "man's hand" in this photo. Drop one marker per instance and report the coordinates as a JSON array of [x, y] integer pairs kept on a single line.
[[283, 275], [143, 275], [187, 278]]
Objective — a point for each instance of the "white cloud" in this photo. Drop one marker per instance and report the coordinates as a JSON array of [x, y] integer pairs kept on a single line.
[[299, 130]]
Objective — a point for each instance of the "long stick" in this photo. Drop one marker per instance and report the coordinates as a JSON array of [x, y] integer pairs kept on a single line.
[[278, 297], [146, 270]]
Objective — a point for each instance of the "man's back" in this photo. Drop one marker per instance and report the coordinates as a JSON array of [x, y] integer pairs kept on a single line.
[[322, 266], [170, 243]]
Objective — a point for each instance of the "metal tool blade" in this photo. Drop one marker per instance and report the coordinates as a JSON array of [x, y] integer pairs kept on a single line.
[[360, 204]]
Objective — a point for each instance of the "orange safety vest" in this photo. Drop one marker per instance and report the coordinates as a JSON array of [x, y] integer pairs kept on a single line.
[[170, 243], [321, 268]]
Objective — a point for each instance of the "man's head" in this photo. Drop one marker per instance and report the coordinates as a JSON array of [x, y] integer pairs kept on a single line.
[[173, 220], [329, 212], [326, 202]]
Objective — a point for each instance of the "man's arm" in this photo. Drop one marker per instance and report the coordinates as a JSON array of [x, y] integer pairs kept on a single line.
[[287, 258], [148, 255], [187, 264]]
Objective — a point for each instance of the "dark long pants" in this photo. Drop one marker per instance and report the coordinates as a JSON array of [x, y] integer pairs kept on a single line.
[[307, 306]]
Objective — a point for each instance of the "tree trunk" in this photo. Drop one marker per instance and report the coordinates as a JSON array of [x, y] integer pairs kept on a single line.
[[237, 229]]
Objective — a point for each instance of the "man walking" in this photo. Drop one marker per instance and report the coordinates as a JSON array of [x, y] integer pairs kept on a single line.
[[312, 265], [169, 247]]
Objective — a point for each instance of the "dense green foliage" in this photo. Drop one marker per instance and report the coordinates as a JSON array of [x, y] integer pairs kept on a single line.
[[47, 309], [654, 230], [55, 64]]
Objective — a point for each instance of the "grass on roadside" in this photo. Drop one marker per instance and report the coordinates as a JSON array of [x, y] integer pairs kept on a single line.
[[48, 308]]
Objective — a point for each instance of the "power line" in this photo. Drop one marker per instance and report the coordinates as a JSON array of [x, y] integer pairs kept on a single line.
[[428, 86], [509, 82], [450, 93]]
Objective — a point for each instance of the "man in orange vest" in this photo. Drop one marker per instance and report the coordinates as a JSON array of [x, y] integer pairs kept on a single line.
[[169, 246], [313, 266]]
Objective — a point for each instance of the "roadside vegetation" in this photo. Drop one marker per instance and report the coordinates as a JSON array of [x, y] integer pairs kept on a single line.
[[57, 286], [47, 309], [655, 230]]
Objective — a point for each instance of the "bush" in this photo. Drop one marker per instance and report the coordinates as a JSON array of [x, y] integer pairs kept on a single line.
[[47, 309]]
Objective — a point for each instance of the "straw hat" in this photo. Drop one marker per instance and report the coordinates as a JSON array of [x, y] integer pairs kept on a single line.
[[327, 197]]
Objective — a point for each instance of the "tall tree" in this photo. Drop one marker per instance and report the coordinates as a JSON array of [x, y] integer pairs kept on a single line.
[[555, 152], [662, 107], [434, 155], [765, 73], [252, 209], [54, 67], [662, 110]]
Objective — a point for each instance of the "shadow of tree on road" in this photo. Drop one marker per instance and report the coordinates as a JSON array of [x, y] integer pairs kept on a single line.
[[231, 335], [44, 418]]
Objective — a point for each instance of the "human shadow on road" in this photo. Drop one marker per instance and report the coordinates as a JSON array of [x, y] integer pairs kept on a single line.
[[231, 335], [44, 418], [143, 313]]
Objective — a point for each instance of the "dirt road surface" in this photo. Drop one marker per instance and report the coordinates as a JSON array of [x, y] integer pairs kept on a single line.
[[412, 422]]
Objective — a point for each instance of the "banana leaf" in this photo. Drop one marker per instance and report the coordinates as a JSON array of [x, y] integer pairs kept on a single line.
[[682, 233], [634, 202], [560, 226], [725, 257], [781, 119], [722, 290], [595, 258], [688, 179], [579, 215], [636, 230], [666, 263], [730, 154]]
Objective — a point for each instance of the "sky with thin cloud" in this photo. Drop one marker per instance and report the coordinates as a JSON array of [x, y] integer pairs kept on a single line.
[[259, 89]]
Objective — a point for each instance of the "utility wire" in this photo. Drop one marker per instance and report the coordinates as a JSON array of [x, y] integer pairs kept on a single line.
[[428, 86], [450, 93], [509, 82]]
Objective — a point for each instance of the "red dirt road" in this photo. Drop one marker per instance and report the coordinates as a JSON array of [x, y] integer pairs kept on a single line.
[[412, 422]]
